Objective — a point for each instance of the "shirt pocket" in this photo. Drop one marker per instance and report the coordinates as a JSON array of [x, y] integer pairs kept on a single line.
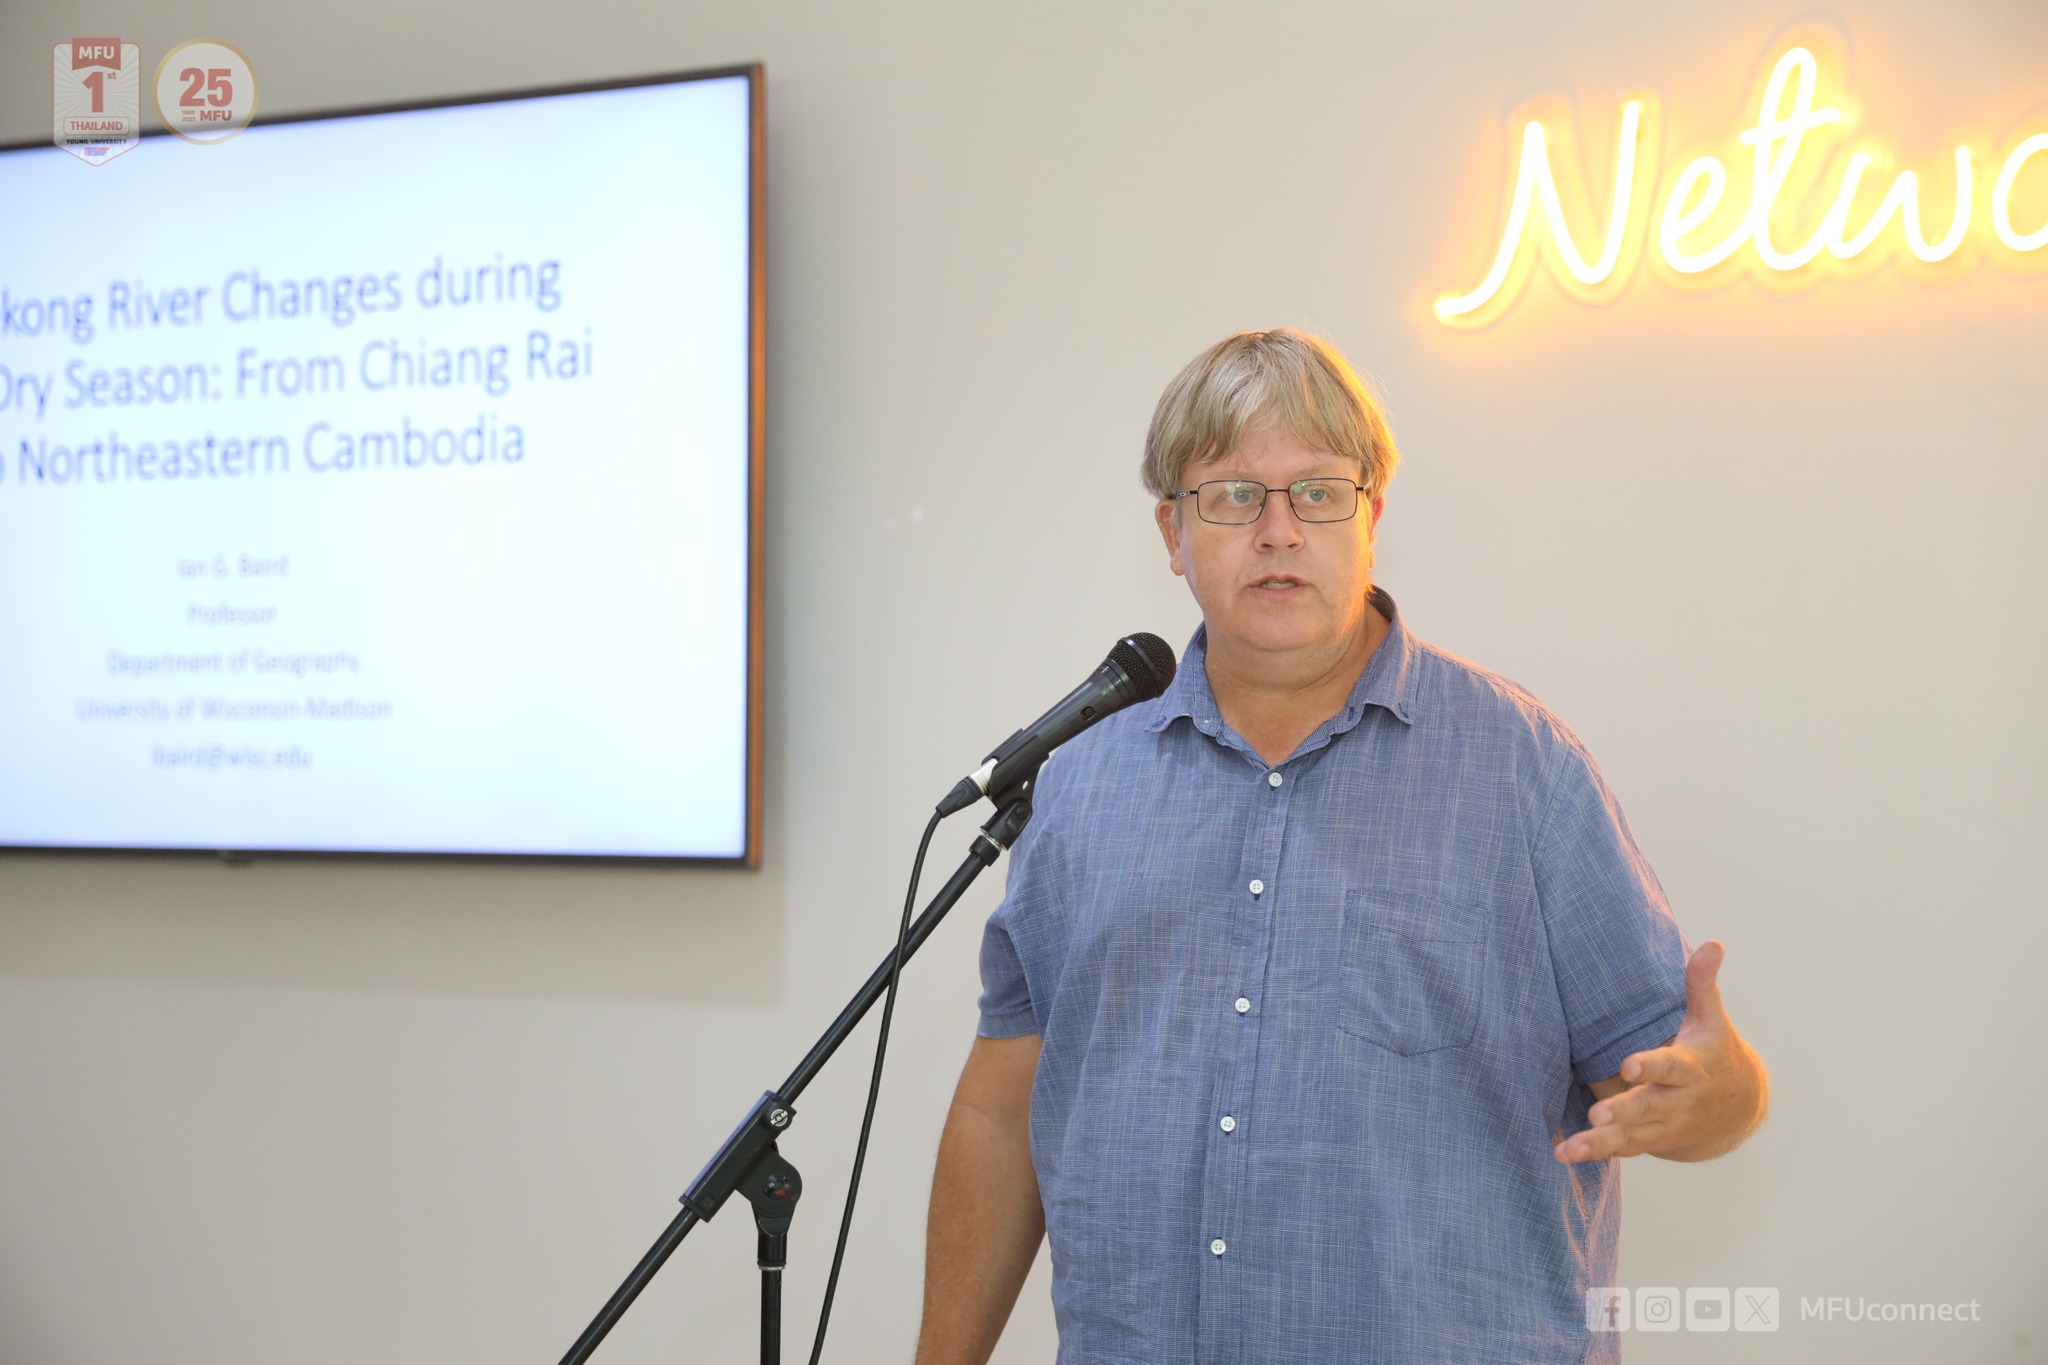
[[1411, 969]]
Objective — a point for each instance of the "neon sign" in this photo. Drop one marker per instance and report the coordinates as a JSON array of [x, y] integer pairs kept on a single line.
[[1759, 237]]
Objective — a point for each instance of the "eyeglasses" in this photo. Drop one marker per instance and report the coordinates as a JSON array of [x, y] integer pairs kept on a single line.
[[1240, 502]]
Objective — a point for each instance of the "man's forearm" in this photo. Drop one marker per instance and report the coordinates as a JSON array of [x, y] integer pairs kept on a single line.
[[986, 1220]]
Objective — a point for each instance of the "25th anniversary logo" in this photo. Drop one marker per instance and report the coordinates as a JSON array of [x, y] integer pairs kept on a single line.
[[205, 92]]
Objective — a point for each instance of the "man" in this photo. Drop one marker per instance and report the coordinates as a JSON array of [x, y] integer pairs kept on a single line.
[[1327, 987]]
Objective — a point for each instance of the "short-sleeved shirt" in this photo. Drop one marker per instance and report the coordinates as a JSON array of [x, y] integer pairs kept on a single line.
[[1310, 1029]]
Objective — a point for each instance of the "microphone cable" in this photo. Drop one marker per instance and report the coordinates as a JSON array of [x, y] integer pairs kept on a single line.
[[867, 1122]]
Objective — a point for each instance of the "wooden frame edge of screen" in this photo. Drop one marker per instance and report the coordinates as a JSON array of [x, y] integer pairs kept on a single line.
[[749, 857]]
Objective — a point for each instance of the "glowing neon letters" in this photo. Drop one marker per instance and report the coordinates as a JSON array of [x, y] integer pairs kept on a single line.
[[1787, 114]]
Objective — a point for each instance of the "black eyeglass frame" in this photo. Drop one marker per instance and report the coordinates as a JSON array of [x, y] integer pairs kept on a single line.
[[1288, 489]]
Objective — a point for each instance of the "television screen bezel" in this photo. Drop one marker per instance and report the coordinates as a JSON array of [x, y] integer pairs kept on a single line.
[[750, 856]]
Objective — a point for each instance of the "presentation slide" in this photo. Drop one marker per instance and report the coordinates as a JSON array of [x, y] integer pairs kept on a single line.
[[381, 483]]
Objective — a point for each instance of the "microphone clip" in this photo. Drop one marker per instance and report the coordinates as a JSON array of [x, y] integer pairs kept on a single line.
[[1013, 812]]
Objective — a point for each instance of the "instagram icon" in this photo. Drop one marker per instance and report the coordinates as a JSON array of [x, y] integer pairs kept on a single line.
[[1657, 1310]]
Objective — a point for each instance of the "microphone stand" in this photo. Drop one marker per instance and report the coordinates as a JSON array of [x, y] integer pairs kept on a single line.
[[748, 1163]]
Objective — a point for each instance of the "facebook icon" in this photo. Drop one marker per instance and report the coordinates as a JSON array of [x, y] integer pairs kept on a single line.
[[1607, 1309]]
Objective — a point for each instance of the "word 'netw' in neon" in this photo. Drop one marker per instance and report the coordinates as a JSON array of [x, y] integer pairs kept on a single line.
[[1787, 115]]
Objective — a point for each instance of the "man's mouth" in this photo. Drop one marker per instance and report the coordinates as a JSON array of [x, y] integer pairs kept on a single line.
[[1278, 583]]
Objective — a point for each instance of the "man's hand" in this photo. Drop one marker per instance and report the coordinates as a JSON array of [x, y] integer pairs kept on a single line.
[[1696, 1097]]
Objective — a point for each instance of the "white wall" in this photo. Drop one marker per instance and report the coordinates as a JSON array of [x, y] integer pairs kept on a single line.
[[1779, 559]]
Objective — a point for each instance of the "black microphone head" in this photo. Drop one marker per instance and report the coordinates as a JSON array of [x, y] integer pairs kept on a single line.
[[1147, 661]]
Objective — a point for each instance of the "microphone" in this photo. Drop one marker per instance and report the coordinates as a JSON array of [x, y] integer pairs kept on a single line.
[[1138, 669]]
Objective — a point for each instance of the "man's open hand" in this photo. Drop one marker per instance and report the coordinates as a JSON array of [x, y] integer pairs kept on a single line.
[[1696, 1097]]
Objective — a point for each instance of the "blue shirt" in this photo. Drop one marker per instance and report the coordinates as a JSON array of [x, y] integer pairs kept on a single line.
[[1309, 1031]]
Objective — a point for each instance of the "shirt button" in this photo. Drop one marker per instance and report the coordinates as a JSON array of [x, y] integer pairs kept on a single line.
[[1274, 779], [1258, 887], [1227, 1124], [1243, 1005], [1219, 1246]]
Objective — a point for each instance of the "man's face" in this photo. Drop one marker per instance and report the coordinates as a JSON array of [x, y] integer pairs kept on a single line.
[[1280, 586]]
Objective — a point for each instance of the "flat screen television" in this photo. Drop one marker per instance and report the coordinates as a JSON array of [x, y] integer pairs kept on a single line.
[[388, 481]]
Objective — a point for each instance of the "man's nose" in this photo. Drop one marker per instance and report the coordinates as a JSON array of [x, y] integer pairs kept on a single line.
[[1281, 526]]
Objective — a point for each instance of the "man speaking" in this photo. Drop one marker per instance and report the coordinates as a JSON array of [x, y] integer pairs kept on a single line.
[[1328, 986]]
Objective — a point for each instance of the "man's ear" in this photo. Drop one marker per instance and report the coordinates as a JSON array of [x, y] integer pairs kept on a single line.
[[1379, 505], [1167, 514]]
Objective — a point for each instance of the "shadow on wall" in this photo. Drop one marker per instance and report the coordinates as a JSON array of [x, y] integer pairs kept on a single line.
[[684, 935]]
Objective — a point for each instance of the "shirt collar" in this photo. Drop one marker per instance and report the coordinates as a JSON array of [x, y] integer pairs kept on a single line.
[[1386, 682]]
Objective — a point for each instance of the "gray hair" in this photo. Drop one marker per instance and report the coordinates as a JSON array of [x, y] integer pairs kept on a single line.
[[1296, 377]]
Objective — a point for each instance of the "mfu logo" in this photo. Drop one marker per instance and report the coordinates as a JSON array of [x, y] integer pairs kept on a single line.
[[1611, 1308], [205, 91], [96, 98]]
